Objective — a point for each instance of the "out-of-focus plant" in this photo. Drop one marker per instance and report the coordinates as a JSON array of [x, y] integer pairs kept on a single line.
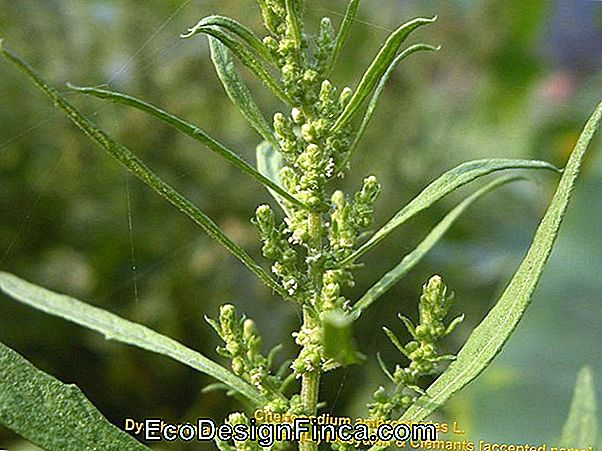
[[313, 242]]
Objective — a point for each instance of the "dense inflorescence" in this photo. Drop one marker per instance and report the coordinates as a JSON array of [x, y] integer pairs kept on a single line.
[[308, 244], [422, 352]]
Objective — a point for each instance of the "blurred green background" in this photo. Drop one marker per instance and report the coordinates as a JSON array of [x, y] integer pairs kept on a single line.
[[513, 79]]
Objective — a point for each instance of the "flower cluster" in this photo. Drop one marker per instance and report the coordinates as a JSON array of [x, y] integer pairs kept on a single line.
[[242, 345], [434, 306], [307, 246], [349, 219]]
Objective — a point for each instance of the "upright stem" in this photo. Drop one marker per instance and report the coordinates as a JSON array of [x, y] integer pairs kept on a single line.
[[310, 380], [310, 383]]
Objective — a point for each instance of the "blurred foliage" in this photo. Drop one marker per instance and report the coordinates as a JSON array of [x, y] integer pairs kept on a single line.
[[499, 87]]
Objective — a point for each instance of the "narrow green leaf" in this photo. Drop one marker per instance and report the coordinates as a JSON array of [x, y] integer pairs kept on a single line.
[[51, 414], [343, 31], [408, 324], [245, 56], [384, 368], [337, 339], [188, 129], [393, 338], [293, 20], [143, 172], [269, 163], [581, 427], [413, 258], [487, 340], [237, 29], [445, 184], [116, 328], [377, 93], [237, 90], [378, 67]]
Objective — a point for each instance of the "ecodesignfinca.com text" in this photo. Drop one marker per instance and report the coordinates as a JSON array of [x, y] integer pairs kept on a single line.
[[266, 434]]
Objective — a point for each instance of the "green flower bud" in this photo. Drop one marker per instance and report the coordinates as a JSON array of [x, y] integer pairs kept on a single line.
[[310, 76], [265, 219], [233, 347], [411, 346], [421, 331], [298, 116], [309, 133], [238, 366], [380, 395], [326, 92], [370, 189], [327, 35], [345, 96], [227, 317], [338, 199], [249, 329]]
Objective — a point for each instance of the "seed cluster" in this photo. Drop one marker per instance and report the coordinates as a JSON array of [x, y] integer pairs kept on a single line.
[[309, 243], [242, 346], [434, 306]]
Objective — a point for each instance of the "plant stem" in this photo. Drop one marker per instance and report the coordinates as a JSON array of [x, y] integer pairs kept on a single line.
[[310, 381], [310, 384]]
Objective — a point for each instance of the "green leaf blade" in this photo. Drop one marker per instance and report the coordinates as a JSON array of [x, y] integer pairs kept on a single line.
[[442, 186], [344, 30], [237, 29], [378, 67], [116, 328], [294, 20], [487, 340], [376, 96], [139, 169], [581, 427], [188, 129], [237, 91], [51, 414], [245, 56], [269, 163], [414, 257]]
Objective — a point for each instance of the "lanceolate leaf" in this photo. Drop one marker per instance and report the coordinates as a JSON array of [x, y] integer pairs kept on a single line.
[[51, 414], [237, 29], [269, 163], [143, 172], [378, 67], [344, 31], [581, 427], [245, 56], [189, 129], [445, 184], [293, 19], [414, 257], [116, 328], [378, 91], [487, 340], [237, 90]]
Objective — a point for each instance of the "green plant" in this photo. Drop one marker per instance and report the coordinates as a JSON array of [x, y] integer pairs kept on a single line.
[[314, 243]]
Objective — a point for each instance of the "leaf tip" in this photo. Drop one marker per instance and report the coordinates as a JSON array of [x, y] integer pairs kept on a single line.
[[73, 87], [190, 32]]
